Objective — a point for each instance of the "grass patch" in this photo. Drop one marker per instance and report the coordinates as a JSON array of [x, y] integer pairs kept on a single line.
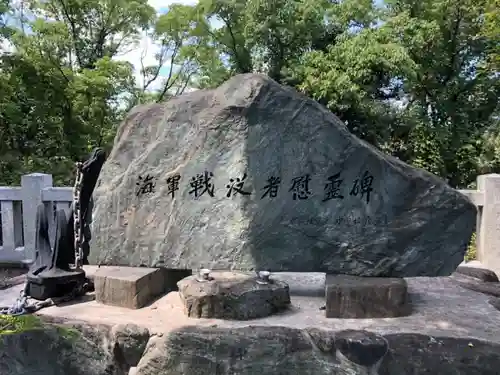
[[69, 334], [18, 324], [471, 253], [10, 325]]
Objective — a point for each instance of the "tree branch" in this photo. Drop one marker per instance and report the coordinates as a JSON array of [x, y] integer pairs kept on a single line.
[[454, 51], [161, 62], [74, 33], [180, 92], [172, 58]]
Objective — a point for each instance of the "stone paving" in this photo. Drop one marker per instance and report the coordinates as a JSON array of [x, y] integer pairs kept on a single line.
[[440, 308]]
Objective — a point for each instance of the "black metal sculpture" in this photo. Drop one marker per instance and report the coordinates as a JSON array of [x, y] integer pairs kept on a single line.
[[57, 272]]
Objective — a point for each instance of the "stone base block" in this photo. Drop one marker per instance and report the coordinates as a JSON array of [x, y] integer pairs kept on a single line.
[[479, 273], [133, 287], [232, 296], [366, 297]]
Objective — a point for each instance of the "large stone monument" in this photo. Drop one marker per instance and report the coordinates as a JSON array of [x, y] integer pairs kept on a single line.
[[252, 176], [255, 176]]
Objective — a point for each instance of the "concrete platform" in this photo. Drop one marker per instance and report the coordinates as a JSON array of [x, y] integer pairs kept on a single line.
[[440, 308]]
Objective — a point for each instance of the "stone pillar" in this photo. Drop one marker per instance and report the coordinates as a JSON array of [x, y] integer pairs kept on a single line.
[[488, 251], [32, 186]]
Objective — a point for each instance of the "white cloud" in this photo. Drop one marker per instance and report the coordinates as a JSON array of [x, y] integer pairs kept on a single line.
[[6, 46], [146, 48], [144, 51]]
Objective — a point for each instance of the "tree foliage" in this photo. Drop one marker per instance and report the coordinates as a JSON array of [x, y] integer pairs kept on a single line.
[[419, 80]]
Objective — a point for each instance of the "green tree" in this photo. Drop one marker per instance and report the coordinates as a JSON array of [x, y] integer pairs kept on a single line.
[[417, 84], [62, 92], [491, 31], [235, 36]]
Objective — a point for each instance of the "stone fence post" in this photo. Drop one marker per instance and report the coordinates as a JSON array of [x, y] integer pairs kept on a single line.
[[488, 226], [32, 186]]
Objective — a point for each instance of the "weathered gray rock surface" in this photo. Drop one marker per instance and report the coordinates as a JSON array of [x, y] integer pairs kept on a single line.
[[71, 348], [287, 351], [452, 331], [477, 285], [131, 341], [312, 196], [77, 349], [495, 302]]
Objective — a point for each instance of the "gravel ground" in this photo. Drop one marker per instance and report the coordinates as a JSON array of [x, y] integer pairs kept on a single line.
[[9, 276]]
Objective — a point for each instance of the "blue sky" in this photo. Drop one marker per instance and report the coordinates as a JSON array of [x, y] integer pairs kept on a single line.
[[147, 47], [134, 57]]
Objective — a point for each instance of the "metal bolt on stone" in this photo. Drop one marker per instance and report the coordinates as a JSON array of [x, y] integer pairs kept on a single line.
[[263, 277], [203, 275]]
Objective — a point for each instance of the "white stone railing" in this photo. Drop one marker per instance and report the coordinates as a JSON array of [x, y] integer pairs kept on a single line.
[[18, 206], [487, 199]]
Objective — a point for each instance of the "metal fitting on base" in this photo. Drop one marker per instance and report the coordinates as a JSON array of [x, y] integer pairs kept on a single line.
[[203, 275], [263, 277]]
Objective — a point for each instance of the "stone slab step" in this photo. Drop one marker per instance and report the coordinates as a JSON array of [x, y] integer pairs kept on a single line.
[[134, 287]]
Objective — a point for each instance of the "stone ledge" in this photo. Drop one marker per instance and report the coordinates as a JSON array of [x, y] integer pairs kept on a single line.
[[366, 297], [289, 351], [480, 273], [61, 346], [440, 308], [476, 285], [78, 348], [442, 325]]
